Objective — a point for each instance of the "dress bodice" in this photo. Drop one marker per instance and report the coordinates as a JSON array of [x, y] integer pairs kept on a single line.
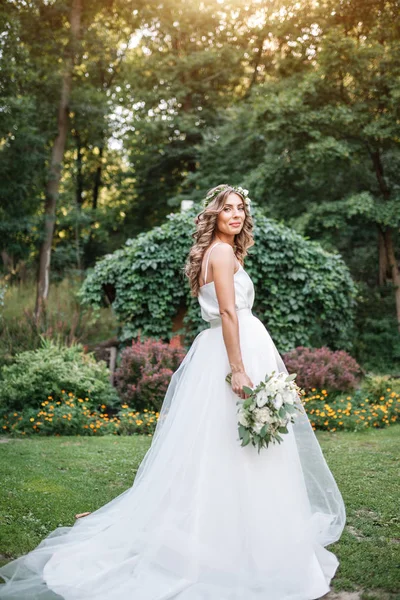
[[244, 295]]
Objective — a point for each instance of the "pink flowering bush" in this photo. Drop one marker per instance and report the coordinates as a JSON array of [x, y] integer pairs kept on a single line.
[[319, 368], [145, 371]]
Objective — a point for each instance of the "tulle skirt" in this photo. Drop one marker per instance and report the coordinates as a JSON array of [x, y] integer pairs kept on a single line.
[[205, 518]]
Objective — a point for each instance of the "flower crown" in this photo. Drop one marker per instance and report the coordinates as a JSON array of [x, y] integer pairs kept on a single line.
[[237, 189]]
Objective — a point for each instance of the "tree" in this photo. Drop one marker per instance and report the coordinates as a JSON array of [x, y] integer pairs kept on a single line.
[[57, 154], [320, 146]]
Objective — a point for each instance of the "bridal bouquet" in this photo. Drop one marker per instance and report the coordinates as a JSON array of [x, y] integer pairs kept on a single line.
[[265, 414]]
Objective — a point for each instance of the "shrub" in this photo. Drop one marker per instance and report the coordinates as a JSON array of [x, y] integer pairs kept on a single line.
[[133, 422], [145, 371], [323, 368], [377, 385], [69, 415], [353, 413], [145, 283], [49, 370]]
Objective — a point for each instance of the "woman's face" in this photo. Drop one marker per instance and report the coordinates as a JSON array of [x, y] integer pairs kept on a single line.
[[231, 218]]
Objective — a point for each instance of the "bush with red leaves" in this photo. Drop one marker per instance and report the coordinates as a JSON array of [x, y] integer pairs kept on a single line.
[[145, 371], [322, 368]]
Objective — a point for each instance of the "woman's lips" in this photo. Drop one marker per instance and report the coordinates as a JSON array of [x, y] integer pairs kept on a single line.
[[235, 224]]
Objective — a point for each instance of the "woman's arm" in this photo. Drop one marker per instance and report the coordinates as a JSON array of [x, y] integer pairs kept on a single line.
[[223, 266]]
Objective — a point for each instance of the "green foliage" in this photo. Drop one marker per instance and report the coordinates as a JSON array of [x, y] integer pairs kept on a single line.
[[2, 294], [76, 416], [375, 386], [303, 294], [37, 374], [65, 320], [356, 412], [70, 415], [305, 116], [67, 416], [377, 339], [134, 422], [16, 335]]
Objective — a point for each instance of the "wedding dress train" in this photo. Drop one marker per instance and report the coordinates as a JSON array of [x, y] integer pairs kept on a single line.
[[205, 518]]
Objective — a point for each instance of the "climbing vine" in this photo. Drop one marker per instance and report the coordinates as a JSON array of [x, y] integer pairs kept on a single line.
[[304, 295]]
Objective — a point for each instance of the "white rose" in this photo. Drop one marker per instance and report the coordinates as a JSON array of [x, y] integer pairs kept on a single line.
[[278, 400], [280, 385], [242, 418], [262, 398], [263, 415], [289, 397], [257, 427]]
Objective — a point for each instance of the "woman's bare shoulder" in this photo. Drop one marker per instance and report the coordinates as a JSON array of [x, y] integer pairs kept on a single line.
[[223, 248], [222, 253]]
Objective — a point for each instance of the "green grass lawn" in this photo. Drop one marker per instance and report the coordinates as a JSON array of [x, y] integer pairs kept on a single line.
[[45, 481]]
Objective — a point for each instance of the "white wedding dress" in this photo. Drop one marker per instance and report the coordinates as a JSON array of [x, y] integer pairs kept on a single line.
[[205, 518]]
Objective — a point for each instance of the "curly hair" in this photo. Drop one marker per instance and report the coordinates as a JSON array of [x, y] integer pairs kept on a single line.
[[206, 222]]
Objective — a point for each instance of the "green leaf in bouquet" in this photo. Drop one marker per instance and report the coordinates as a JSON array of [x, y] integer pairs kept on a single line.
[[242, 430], [291, 377], [283, 429], [247, 402], [269, 376], [247, 389], [246, 438], [282, 412]]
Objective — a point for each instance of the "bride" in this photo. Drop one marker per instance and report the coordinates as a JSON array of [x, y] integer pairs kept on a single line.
[[205, 518]]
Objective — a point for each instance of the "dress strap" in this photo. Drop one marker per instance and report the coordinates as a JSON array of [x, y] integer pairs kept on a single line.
[[208, 258]]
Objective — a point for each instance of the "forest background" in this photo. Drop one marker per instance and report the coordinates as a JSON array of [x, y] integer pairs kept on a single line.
[[113, 112]]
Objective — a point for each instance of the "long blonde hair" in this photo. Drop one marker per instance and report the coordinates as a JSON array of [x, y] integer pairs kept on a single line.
[[206, 222]]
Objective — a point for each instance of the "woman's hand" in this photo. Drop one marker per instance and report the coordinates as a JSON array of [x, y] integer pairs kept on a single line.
[[239, 379]]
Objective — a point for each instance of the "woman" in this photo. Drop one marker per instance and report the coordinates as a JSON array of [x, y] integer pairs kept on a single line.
[[205, 519]]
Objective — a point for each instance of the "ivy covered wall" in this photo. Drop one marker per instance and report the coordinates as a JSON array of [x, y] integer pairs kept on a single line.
[[303, 294]]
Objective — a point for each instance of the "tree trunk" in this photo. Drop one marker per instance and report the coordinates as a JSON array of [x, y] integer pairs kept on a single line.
[[390, 261], [97, 179], [78, 199], [57, 155], [394, 269], [380, 175], [8, 262], [383, 259], [255, 64]]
